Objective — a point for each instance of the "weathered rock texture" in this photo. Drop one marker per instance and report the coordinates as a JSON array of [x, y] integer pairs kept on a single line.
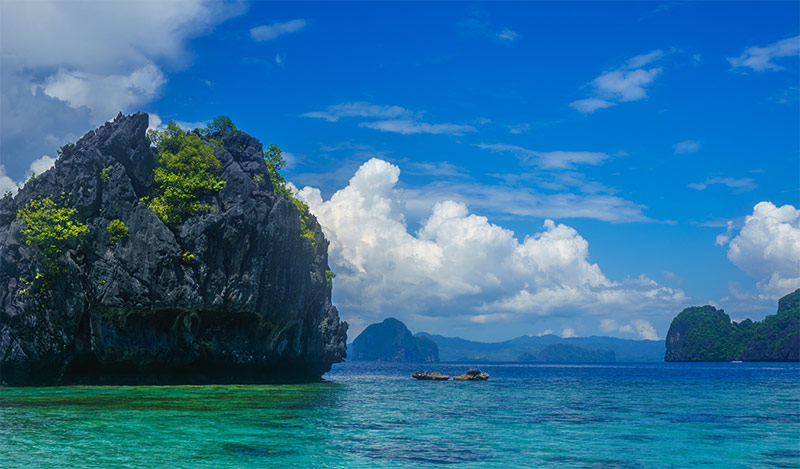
[[252, 306], [472, 375], [429, 376], [704, 333]]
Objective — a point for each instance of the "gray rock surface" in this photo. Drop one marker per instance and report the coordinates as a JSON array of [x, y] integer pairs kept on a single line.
[[252, 306], [429, 376], [472, 375]]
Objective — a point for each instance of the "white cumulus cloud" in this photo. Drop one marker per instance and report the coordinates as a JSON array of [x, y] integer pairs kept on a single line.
[[640, 327], [459, 265], [6, 183], [105, 95], [37, 166], [68, 66], [644, 329], [42, 164], [767, 248]]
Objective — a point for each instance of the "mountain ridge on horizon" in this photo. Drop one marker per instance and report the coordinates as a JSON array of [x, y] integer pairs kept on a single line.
[[521, 348], [459, 349]]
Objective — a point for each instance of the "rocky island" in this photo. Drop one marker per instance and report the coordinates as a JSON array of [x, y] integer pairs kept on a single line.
[[704, 333], [391, 341], [172, 257]]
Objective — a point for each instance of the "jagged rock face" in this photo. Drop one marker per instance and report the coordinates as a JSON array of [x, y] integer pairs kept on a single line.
[[708, 334], [252, 306]]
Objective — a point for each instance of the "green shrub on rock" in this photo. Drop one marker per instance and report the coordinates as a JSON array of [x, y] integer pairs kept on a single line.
[[187, 258], [329, 276], [187, 170], [104, 174], [50, 226], [117, 230], [223, 125]]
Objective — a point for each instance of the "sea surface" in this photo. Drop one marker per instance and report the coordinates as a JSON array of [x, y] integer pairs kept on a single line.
[[375, 415]]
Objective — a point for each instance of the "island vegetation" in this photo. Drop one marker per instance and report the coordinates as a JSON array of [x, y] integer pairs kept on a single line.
[[705, 333]]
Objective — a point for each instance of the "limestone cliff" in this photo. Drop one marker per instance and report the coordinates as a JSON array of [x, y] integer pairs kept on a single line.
[[704, 333], [230, 294]]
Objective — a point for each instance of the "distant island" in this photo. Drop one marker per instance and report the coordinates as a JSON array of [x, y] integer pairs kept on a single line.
[[704, 333], [564, 353], [594, 349], [391, 341]]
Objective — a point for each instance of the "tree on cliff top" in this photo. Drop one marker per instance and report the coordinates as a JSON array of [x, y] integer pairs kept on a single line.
[[187, 169]]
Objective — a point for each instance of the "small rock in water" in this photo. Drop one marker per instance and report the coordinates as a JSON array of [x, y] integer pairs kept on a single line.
[[430, 376], [472, 375]]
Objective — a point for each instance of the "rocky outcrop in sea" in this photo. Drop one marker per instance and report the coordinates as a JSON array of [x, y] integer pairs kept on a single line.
[[705, 333], [391, 341], [429, 376], [232, 293], [472, 375]]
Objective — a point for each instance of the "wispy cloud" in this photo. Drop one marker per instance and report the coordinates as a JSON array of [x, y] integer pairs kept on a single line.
[[623, 84], [548, 159], [437, 169], [519, 128], [589, 105], [761, 58], [672, 276], [687, 146], [518, 202], [479, 23], [507, 35], [409, 127], [272, 31], [644, 59], [358, 109], [394, 119], [660, 9], [741, 185]]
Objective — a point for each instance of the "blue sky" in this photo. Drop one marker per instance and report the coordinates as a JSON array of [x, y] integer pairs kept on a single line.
[[650, 131]]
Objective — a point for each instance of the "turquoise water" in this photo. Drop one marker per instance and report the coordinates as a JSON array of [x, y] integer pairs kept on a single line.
[[375, 415]]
